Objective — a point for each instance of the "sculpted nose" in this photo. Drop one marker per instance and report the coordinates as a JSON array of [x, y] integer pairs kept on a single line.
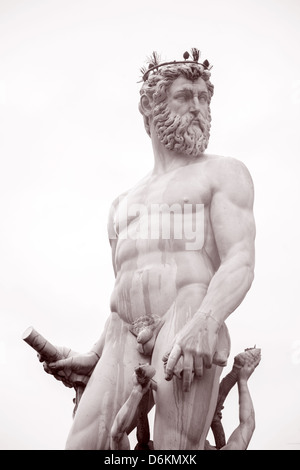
[[195, 107]]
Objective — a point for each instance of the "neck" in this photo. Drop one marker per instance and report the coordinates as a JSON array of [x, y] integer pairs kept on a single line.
[[166, 160]]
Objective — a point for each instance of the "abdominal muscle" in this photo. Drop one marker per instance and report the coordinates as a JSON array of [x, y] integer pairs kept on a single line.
[[150, 283]]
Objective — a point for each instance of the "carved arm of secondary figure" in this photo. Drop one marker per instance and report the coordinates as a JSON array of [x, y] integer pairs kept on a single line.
[[234, 231], [63, 363], [68, 366], [142, 382], [241, 436], [226, 385]]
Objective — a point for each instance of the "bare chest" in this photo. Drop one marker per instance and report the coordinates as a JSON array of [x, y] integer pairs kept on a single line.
[[167, 206]]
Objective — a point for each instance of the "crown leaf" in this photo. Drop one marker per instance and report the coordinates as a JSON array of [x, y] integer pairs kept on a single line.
[[195, 54]]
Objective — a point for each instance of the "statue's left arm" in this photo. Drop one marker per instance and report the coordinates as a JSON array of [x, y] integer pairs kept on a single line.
[[233, 225], [231, 215]]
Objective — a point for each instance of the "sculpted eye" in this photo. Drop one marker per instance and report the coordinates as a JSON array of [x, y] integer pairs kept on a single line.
[[182, 97], [203, 98]]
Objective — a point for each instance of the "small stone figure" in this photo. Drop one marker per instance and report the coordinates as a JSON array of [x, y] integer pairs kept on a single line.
[[243, 367], [138, 403]]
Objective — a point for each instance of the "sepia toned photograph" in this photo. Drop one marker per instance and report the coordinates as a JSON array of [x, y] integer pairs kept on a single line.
[[149, 227]]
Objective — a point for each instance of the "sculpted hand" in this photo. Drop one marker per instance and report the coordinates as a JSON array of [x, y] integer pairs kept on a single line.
[[196, 344], [72, 368], [142, 378], [251, 361]]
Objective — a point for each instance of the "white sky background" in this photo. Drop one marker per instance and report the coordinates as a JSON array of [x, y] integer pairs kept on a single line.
[[72, 140]]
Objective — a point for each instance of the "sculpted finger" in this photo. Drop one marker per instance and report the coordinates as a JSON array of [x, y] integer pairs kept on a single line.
[[257, 359], [178, 369], [40, 357], [61, 364], [207, 361], [253, 356], [187, 372], [223, 347], [76, 379], [220, 357], [198, 366], [172, 361], [46, 368], [165, 357], [58, 375], [67, 384]]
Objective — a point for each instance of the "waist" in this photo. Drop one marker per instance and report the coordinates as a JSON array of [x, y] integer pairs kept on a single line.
[[152, 290]]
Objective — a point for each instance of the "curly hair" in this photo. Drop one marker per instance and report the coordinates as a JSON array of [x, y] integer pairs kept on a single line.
[[156, 86]]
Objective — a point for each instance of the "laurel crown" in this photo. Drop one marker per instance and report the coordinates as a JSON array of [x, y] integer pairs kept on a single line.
[[189, 58]]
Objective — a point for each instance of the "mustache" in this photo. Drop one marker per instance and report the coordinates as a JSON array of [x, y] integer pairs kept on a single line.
[[187, 133], [176, 124], [201, 121], [188, 120]]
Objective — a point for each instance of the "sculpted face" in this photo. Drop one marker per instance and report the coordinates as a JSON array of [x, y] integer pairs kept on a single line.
[[182, 122]]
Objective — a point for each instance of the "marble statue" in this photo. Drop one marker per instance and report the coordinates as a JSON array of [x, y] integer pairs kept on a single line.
[[182, 243]]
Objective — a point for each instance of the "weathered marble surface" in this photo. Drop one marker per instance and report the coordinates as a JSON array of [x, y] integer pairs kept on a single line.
[[182, 242]]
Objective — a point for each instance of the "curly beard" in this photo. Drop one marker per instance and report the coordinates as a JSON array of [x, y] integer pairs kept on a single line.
[[185, 134]]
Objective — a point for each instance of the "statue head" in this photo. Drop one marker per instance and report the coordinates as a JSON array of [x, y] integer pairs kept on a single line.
[[182, 132]]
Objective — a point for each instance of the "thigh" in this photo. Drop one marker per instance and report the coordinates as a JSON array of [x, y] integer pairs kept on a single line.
[[107, 389], [182, 419]]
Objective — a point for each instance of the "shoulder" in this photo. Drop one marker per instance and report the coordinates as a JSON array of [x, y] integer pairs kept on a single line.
[[230, 176], [115, 203], [228, 167]]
